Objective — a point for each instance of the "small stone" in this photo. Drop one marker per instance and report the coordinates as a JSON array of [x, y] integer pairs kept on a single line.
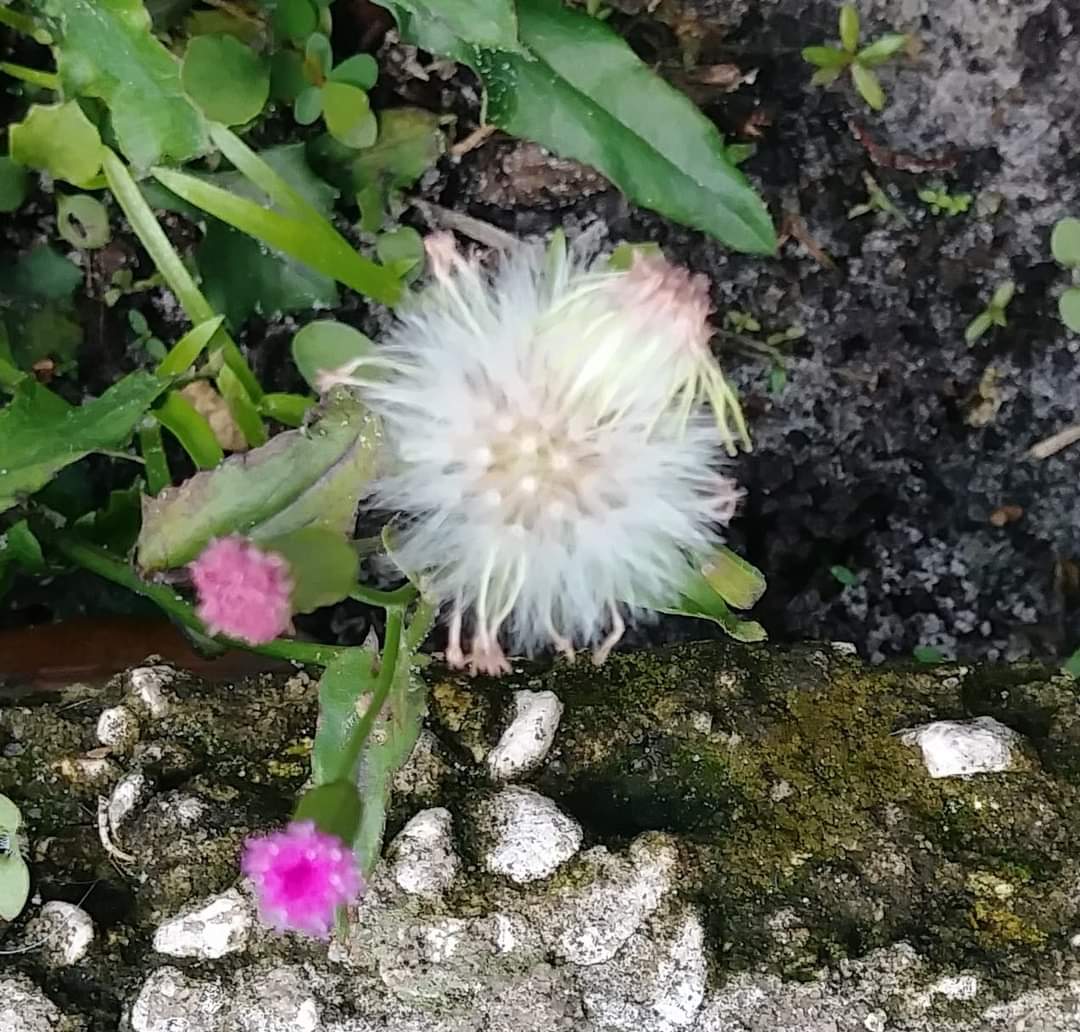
[[24, 1008], [118, 729], [216, 928], [875, 1021], [527, 740], [524, 835], [64, 932], [147, 684], [422, 857], [957, 987], [89, 772], [131, 791], [962, 748]]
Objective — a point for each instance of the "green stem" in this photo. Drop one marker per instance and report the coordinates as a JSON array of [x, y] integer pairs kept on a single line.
[[391, 646], [152, 448], [101, 562], [19, 22], [34, 76], [373, 597]]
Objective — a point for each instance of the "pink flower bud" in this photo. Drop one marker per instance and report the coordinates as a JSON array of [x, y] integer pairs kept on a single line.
[[243, 591]]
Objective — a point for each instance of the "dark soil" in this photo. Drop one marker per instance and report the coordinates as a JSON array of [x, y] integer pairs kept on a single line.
[[894, 449]]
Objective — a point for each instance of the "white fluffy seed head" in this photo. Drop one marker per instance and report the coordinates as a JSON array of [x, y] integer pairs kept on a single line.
[[549, 469]]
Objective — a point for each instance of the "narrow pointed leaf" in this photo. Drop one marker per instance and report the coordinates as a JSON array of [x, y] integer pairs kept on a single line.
[[882, 49], [866, 82]]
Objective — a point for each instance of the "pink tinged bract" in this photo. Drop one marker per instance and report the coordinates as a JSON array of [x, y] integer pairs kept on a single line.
[[243, 591], [301, 876]]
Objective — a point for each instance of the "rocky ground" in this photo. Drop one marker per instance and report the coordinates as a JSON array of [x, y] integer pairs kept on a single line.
[[706, 838]]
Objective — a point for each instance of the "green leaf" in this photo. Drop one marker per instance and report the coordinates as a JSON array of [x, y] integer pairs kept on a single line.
[[978, 326], [1065, 242], [13, 184], [1069, 308], [10, 818], [287, 76], [882, 49], [14, 885], [290, 409], [107, 49], [300, 478], [335, 808], [623, 256], [343, 683], [409, 142], [319, 55], [42, 434], [586, 95], [59, 139], [844, 575], [928, 654], [403, 249], [826, 57], [188, 348], [1003, 295], [326, 345], [360, 70], [482, 23], [825, 76], [18, 544], [295, 19], [348, 114], [849, 28], [244, 411], [191, 429], [866, 82], [82, 221], [41, 275], [736, 581], [326, 252], [1071, 666], [308, 105], [699, 598], [116, 526], [228, 80], [323, 564]]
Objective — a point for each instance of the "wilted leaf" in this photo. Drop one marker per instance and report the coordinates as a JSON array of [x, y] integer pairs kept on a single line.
[[82, 221], [301, 478], [42, 434], [106, 49]]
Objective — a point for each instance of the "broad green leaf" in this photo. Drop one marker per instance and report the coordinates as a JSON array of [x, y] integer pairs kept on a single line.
[[360, 70], [59, 139], [10, 818], [40, 275], [325, 345], [342, 685], [826, 57], [1065, 242], [866, 82], [295, 19], [348, 115], [14, 184], [849, 28], [18, 544], [308, 106], [586, 95], [409, 142], [323, 563], [42, 434], [736, 581], [335, 808], [1069, 308], [226, 78], [286, 76], [14, 885], [882, 49], [300, 478], [106, 49], [191, 429], [483, 23], [82, 221]]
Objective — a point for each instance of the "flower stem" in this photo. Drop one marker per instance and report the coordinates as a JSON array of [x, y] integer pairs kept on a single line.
[[372, 596], [99, 561]]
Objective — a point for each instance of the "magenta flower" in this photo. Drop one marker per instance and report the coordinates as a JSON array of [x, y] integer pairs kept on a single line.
[[243, 591], [301, 876]]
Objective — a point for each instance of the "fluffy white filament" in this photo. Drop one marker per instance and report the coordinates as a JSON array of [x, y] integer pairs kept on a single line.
[[550, 461]]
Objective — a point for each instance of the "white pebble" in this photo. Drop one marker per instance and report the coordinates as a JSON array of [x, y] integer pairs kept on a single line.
[[218, 927], [422, 857], [146, 685], [62, 931], [961, 748], [118, 729], [526, 742], [526, 836], [131, 791]]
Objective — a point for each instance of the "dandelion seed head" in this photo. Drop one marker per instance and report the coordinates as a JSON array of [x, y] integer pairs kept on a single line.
[[549, 472]]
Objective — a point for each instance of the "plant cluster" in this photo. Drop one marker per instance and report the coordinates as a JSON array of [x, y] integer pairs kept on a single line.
[[1065, 247]]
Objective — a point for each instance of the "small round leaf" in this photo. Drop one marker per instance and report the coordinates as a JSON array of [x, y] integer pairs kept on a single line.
[[82, 221], [1003, 295], [319, 54], [13, 184], [1065, 242], [348, 115], [228, 80], [361, 71], [14, 886], [1069, 307], [326, 345], [308, 105], [295, 19]]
